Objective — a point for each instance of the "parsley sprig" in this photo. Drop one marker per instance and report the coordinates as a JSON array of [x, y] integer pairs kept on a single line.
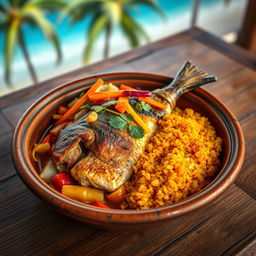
[[119, 121], [122, 122], [105, 106], [143, 106]]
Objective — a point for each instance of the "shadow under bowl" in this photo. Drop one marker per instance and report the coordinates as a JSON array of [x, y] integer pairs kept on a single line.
[[35, 121]]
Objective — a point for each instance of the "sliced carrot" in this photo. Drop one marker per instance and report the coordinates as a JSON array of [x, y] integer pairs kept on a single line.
[[152, 102], [62, 110], [126, 87], [80, 102], [121, 105], [137, 118], [104, 95]]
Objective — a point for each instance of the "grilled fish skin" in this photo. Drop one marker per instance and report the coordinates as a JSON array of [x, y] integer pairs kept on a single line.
[[112, 152]]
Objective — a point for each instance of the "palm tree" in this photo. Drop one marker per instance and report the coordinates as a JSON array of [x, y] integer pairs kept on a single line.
[[14, 14], [105, 15]]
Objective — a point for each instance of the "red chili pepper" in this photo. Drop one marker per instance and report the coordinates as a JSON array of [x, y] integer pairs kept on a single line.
[[48, 138], [101, 205]]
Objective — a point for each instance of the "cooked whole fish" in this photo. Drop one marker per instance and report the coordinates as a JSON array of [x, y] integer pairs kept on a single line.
[[111, 152]]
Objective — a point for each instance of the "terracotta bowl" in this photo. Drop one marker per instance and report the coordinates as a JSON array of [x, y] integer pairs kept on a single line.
[[36, 119]]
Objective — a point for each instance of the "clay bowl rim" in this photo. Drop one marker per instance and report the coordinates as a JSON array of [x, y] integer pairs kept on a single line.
[[87, 213]]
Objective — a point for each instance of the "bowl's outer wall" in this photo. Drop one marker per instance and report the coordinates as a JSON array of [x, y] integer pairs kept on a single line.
[[34, 122]]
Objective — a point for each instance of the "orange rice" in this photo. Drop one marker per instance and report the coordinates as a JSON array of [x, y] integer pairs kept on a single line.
[[179, 160]]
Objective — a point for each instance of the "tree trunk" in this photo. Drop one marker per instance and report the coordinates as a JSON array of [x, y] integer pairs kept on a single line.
[[27, 58], [107, 40]]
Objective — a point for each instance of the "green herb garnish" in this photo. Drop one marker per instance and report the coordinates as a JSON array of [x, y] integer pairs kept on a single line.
[[87, 104], [109, 103], [97, 108], [127, 118], [81, 94], [122, 121], [136, 131], [143, 106], [118, 123], [104, 107]]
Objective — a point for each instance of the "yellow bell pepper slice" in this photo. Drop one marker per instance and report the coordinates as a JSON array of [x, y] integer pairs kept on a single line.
[[83, 194]]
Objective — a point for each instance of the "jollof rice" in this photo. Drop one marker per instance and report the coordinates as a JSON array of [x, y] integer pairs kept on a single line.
[[180, 160]]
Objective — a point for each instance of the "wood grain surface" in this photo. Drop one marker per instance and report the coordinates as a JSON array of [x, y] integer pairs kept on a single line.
[[225, 227]]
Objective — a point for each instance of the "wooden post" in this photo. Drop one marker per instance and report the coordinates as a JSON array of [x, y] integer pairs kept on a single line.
[[247, 35]]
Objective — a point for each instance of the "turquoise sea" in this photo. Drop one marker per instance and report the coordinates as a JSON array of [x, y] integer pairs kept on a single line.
[[73, 39]]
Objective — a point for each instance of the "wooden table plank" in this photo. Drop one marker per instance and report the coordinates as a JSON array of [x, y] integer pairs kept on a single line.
[[234, 220], [232, 51], [5, 126], [5, 144], [19, 217], [6, 167], [14, 112], [249, 250]]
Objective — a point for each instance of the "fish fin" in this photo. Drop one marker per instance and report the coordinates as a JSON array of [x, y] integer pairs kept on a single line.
[[188, 78]]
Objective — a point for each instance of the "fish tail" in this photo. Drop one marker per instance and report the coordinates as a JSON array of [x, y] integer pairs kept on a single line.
[[188, 78]]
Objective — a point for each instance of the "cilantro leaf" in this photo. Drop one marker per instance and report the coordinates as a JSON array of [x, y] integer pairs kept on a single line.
[[143, 106], [97, 108], [118, 123], [109, 103], [136, 131], [127, 118], [146, 107]]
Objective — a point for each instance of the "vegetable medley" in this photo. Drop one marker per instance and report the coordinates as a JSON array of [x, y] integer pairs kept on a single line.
[[99, 98]]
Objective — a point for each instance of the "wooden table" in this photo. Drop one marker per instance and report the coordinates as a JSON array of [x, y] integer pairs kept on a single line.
[[225, 227]]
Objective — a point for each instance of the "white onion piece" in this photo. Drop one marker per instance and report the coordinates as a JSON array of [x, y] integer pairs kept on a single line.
[[48, 171]]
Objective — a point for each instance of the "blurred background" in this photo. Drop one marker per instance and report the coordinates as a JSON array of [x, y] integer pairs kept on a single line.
[[40, 39]]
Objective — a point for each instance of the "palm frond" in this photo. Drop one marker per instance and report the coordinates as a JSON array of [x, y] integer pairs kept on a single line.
[[138, 29], [227, 2], [128, 31], [82, 4], [10, 41], [17, 3], [3, 8], [97, 24], [113, 10], [46, 27], [153, 4], [51, 5], [4, 23], [79, 14]]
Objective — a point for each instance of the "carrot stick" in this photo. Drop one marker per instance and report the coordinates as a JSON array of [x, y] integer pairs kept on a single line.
[[80, 102], [152, 102], [104, 95], [126, 87], [137, 118], [121, 104]]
